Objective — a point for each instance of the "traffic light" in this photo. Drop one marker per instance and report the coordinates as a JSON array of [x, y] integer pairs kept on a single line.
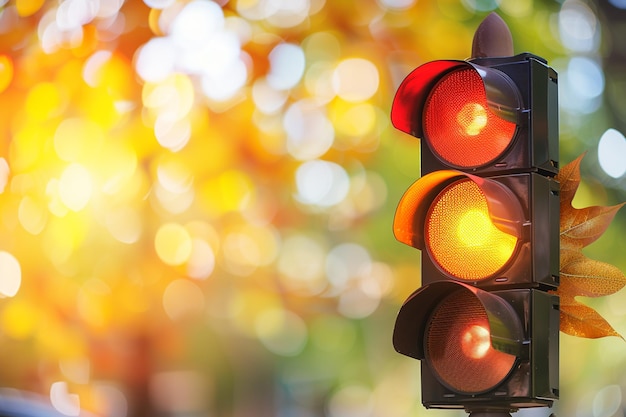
[[485, 215]]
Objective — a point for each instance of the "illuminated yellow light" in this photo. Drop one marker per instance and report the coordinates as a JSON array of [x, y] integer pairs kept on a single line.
[[472, 119], [461, 236], [474, 228], [476, 342]]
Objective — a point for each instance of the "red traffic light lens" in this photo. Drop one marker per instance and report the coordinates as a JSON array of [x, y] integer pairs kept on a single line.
[[461, 237], [458, 124], [458, 346]]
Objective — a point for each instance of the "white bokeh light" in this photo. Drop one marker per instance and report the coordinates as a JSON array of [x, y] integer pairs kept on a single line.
[[578, 27], [397, 4], [10, 275], [321, 183], [583, 83], [196, 22], [75, 187], [156, 59], [224, 86], [286, 66], [356, 79], [310, 133], [159, 4], [611, 152]]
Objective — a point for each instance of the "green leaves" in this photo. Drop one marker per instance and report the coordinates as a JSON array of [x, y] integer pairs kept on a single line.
[[581, 276]]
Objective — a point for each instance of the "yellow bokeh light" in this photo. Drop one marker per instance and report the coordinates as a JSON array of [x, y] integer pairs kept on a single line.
[[19, 319], [75, 187], [4, 174], [183, 298], [62, 236], [93, 304], [32, 215], [124, 224], [356, 121], [78, 140], [43, 101], [173, 244], [25, 150], [28, 7], [227, 192], [356, 79], [6, 72]]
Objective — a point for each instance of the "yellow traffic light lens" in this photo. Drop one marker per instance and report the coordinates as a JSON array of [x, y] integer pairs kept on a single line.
[[459, 125], [458, 346], [461, 237]]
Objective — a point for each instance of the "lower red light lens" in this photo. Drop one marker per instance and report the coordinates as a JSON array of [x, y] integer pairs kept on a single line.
[[459, 125], [458, 346]]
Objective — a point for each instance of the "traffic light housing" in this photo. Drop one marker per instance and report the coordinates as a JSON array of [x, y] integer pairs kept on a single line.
[[483, 116], [485, 214]]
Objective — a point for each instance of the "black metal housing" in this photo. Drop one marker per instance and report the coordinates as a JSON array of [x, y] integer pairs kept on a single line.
[[534, 380]]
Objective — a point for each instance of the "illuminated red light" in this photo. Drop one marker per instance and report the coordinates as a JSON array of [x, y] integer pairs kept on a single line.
[[459, 125], [458, 346]]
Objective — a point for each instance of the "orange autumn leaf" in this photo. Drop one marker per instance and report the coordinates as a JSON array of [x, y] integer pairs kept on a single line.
[[581, 276], [583, 321]]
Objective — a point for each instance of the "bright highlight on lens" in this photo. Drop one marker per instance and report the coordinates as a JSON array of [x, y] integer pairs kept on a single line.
[[458, 124], [468, 223], [472, 118], [461, 237], [476, 342]]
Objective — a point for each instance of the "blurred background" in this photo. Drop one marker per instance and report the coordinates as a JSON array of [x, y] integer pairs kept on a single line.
[[197, 198]]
